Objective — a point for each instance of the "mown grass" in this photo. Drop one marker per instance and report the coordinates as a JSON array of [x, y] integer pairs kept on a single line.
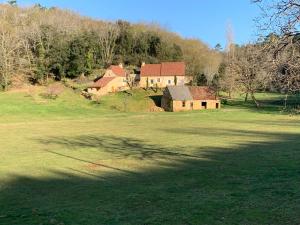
[[69, 161]]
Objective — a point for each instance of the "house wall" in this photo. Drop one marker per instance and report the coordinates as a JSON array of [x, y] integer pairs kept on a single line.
[[117, 84], [176, 106], [210, 104], [161, 81]]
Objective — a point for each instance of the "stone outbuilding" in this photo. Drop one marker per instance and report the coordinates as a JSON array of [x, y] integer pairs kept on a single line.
[[185, 98]]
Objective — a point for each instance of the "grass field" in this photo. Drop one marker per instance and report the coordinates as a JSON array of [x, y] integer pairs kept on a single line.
[[68, 161]]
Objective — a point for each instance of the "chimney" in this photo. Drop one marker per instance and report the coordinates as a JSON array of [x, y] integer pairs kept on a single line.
[[121, 65], [143, 63]]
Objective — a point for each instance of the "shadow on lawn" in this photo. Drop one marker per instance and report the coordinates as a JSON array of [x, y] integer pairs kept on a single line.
[[120, 147], [268, 106], [254, 183]]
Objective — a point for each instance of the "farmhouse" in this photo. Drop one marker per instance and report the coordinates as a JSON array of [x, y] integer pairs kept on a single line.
[[151, 75], [184, 98], [161, 75], [114, 79]]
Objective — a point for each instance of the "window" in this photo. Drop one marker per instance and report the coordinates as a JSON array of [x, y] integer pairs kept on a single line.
[[158, 79], [152, 81], [204, 104], [183, 103], [169, 81]]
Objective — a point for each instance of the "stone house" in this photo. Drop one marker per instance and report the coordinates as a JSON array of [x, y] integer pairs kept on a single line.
[[162, 75], [114, 80], [185, 98]]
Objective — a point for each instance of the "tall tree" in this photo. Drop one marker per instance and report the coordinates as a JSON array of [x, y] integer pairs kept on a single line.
[[10, 48], [246, 67], [279, 24], [108, 35]]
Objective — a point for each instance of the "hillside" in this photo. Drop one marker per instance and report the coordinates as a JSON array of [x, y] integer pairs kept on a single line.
[[38, 48], [31, 104]]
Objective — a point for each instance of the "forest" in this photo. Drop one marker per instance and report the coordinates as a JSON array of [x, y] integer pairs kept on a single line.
[[38, 43]]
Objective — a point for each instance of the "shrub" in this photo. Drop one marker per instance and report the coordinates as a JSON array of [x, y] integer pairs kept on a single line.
[[53, 91]]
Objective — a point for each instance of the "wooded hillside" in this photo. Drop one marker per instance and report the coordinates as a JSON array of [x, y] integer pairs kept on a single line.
[[37, 43]]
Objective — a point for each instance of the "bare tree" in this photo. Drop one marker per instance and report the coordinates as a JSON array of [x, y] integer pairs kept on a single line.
[[285, 67], [281, 17], [247, 70], [228, 79], [10, 47], [280, 22], [108, 35], [214, 60], [230, 46]]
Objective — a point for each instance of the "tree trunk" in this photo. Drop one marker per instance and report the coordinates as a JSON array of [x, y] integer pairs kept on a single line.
[[246, 97], [255, 100], [5, 83], [285, 100]]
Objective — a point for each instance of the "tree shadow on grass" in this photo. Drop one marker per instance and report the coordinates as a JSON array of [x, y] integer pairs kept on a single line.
[[268, 106], [121, 147], [253, 183]]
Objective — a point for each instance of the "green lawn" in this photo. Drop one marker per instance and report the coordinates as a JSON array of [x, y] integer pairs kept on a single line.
[[69, 161]]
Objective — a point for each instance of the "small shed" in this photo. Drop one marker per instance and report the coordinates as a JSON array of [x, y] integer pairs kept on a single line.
[[185, 98]]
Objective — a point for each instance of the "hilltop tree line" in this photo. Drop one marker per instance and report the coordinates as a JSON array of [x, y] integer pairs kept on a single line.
[[38, 43]]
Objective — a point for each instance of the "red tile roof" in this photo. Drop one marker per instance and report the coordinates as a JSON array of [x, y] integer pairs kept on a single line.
[[151, 70], [102, 82], [173, 68], [164, 69], [119, 71], [202, 93]]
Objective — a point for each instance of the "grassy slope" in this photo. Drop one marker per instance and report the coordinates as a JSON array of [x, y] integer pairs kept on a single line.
[[72, 162]]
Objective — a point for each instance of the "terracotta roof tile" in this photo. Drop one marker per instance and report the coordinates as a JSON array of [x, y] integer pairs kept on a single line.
[[173, 69], [151, 70], [119, 71], [163, 69], [102, 82], [202, 93]]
